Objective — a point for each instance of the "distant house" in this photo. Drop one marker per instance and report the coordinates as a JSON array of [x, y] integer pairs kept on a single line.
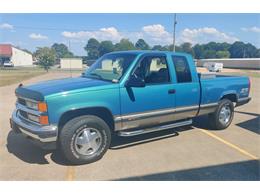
[[71, 63], [15, 56]]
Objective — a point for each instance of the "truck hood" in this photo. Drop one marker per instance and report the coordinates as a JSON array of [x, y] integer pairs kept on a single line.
[[57, 86]]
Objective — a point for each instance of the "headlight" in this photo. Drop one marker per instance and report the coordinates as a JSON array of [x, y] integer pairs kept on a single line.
[[40, 106], [33, 118], [32, 105], [43, 120]]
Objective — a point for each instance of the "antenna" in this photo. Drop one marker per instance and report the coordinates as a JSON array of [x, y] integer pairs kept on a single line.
[[174, 31]]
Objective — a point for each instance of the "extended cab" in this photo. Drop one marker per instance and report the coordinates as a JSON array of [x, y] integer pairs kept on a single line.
[[124, 93]]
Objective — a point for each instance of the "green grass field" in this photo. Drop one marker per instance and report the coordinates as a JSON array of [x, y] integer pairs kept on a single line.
[[11, 76]]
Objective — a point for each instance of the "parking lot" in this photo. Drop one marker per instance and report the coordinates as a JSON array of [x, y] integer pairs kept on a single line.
[[190, 153]]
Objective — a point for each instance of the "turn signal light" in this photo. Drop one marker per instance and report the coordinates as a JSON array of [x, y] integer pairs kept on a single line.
[[42, 107], [44, 120]]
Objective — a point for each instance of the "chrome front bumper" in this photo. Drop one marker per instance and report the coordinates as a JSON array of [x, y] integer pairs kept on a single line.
[[41, 133]]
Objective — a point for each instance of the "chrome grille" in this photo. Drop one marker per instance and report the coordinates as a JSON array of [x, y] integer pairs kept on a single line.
[[21, 101]]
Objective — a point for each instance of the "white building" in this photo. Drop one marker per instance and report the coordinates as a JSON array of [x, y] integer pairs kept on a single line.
[[15, 56], [71, 63]]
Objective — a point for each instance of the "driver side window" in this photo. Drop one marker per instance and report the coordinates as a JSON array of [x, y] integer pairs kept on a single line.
[[153, 70]]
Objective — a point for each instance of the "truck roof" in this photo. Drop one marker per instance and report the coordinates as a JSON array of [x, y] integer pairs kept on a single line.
[[149, 51]]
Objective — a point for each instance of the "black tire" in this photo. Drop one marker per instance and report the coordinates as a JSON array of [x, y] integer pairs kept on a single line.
[[214, 118], [72, 128]]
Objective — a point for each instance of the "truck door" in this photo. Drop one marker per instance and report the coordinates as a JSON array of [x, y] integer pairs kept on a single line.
[[154, 103], [187, 87]]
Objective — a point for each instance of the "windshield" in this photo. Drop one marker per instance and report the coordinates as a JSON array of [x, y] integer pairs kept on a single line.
[[110, 67]]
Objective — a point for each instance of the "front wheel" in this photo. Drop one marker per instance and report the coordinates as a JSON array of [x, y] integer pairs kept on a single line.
[[223, 115], [85, 139]]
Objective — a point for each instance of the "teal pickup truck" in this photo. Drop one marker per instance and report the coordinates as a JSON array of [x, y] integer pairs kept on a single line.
[[123, 94]]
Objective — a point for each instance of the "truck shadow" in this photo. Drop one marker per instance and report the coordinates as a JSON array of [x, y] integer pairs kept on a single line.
[[125, 142], [251, 124], [19, 146], [235, 171]]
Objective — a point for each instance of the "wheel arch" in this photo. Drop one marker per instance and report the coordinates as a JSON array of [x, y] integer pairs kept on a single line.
[[230, 96], [101, 112]]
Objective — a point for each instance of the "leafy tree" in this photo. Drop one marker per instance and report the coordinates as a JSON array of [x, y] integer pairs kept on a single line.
[[142, 45], [46, 57], [222, 54], [198, 51], [242, 50], [160, 48], [124, 45], [105, 47], [187, 48], [92, 48], [209, 54], [61, 50]]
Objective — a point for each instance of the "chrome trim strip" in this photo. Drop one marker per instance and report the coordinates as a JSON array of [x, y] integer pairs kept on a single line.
[[208, 105], [186, 108], [153, 129], [154, 113]]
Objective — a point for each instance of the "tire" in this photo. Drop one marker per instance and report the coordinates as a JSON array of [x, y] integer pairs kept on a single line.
[[84, 139], [216, 119]]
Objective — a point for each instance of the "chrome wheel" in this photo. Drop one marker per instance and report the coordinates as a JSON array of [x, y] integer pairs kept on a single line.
[[225, 114], [88, 141]]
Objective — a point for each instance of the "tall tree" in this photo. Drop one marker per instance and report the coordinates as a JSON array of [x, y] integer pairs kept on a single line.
[[61, 50], [242, 50], [160, 48], [124, 45], [142, 45], [222, 54], [187, 48], [46, 57], [92, 49], [198, 51], [105, 47]]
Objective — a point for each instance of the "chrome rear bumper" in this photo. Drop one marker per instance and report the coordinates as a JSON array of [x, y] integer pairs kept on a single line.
[[41, 133]]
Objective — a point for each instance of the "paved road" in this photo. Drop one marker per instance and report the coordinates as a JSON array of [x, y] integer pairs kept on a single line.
[[192, 153]]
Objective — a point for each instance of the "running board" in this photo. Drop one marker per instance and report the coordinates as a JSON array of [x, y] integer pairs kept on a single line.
[[153, 129]]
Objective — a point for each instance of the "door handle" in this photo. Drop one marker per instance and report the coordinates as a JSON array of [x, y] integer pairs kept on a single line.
[[171, 91]]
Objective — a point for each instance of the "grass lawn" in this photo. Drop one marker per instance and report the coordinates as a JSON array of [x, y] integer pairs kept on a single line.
[[11, 76]]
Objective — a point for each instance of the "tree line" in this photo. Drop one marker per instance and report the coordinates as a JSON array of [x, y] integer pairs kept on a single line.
[[48, 56], [238, 49]]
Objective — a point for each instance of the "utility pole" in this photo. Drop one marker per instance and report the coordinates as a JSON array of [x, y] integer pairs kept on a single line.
[[70, 60], [174, 32]]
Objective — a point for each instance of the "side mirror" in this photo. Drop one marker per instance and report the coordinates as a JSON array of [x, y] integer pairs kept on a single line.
[[134, 81]]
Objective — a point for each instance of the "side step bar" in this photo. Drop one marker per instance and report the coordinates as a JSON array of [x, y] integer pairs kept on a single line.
[[153, 129]]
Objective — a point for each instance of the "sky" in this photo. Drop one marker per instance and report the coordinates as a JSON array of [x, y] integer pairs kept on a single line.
[[30, 31]]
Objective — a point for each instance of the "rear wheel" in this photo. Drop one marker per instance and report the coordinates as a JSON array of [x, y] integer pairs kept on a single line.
[[223, 115], [84, 139]]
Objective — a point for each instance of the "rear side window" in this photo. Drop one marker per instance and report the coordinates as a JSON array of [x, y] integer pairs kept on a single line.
[[182, 69]]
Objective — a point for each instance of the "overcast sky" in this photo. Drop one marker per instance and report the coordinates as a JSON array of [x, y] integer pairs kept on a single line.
[[36, 30]]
